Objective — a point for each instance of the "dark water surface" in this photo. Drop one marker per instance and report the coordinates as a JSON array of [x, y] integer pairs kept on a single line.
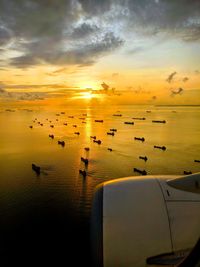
[[44, 218]]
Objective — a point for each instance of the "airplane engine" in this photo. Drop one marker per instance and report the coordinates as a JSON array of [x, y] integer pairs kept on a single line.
[[145, 221]]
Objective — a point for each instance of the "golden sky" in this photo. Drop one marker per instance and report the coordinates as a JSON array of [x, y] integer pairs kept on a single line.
[[125, 52]]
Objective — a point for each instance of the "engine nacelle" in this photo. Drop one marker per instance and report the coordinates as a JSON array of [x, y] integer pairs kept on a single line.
[[140, 221]]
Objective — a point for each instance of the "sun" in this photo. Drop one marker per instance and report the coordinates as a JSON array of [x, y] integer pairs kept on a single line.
[[87, 95]]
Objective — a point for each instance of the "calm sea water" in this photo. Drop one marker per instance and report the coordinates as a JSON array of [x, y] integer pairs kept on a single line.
[[48, 212]]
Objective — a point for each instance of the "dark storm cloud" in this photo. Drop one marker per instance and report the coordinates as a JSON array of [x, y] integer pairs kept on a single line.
[[96, 7], [25, 61], [5, 36], [34, 18], [178, 17], [79, 32], [170, 78], [84, 30], [81, 55]]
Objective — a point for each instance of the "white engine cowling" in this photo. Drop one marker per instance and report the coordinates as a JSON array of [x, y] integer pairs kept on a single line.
[[140, 221]]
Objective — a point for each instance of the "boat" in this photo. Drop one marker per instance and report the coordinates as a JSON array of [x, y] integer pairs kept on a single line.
[[161, 147], [112, 133], [139, 138], [144, 158], [86, 161], [36, 168], [83, 172], [129, 122], [97, 141], [157, 121], [62, 143]]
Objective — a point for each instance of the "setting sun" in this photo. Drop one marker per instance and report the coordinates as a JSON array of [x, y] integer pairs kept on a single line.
[[87, 95]]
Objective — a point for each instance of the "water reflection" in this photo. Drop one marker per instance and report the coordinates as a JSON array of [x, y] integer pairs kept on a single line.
[[60, 198]]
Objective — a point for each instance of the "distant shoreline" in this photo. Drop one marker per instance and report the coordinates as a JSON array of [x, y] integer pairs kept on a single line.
[[177, 105]]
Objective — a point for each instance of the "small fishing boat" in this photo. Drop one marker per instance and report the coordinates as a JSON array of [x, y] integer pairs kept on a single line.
[[187, 172], [112, 133], [139, 139], [161, 147], [36, 168], [129, 122], [143, 172], [97, 141], [86, 161], [157, 121], [142, 119], [62, 143], [144, 158], [83, 172]]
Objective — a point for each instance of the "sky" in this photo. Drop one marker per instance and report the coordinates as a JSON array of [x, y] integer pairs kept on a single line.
[[98, 51]]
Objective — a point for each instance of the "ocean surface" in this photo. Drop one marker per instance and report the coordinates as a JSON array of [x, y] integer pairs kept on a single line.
[[45, 218]]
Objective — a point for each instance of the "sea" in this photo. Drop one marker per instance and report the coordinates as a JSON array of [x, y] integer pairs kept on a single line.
[[45, 217]]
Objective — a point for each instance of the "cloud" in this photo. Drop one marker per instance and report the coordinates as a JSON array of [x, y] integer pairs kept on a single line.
[[79, 32], [31, 19], [59, 70], [96, 7], [2, 91], [54, 86], [105, 86], [22, 95], [4, 36], [176, 18], [137, 49], [170, 78], [82, 55], [185, 79], [84, 30], [179, 91], [197, 72], [115, 75]]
